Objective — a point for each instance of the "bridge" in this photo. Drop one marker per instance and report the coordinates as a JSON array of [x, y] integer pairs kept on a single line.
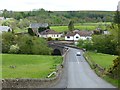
[[59, 48]]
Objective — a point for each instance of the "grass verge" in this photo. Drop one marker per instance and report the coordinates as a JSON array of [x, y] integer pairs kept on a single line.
[[105, 61]]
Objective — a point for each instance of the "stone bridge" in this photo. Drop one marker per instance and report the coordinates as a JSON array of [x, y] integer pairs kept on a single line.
[[58, 49]]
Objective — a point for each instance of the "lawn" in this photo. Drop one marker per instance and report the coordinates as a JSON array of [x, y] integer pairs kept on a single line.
[[104, 60], [28, 66]]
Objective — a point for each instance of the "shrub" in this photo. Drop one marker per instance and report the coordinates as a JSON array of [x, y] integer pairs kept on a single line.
[[14, 49], [49, 38]]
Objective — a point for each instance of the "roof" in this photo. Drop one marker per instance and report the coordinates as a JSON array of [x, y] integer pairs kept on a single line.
[[81, 33], [37, 25], [4, 28], [48, 31]]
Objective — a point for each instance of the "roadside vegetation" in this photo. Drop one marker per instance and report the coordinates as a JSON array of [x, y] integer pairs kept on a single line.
[[105, 61], [29, 66]]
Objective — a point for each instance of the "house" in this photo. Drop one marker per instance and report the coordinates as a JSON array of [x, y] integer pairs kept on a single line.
[[38, 27], [77, 35], [2, 18], [50, 33], [5, 29], [106, 32]]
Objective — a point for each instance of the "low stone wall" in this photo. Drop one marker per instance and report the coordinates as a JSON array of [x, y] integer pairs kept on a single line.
[[99, 70], [31, 83], [35, 83]]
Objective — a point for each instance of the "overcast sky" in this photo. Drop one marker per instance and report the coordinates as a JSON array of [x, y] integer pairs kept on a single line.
[[59, 5]]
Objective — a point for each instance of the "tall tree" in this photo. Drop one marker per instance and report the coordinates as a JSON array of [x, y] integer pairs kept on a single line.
[[71, 25]]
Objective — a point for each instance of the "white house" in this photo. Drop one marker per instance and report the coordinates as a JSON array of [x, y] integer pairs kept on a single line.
[[5, 29], [50, 33], [106, 32], [77, 35]]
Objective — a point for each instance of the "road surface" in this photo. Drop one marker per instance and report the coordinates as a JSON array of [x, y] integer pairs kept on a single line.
[[78, 74]]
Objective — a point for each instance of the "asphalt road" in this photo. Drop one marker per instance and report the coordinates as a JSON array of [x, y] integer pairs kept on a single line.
[[78, 74]]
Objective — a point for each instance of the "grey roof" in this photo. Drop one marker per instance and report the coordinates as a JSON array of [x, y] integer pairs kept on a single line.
[[37, 25], [81, 33], [48, 31], [4, 28]]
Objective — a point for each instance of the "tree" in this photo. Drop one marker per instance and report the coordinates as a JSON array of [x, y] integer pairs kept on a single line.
[[30, 31], [117, 21], [71, 26], [7, 41]]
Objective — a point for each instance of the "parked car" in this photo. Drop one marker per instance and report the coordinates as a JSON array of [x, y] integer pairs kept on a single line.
[[78, 54]]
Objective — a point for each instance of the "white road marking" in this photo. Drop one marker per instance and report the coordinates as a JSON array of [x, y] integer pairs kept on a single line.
[[77, 59]]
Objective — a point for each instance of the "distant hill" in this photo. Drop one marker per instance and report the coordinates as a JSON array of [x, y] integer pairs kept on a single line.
[[61, 17]]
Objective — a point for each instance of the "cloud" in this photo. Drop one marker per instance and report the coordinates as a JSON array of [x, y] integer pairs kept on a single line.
[[59, 5]]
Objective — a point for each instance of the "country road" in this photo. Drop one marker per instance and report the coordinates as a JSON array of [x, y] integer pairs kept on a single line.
[[78, 74]]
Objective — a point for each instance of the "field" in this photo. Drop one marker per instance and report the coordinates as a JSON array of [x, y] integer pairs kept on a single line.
[[104, 60], [28, 66], [81, 26]]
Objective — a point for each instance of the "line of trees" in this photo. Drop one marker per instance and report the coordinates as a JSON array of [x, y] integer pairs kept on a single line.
[[55, 17], [24, 44]]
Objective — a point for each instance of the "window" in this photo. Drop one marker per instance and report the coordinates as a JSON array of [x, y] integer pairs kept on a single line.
[[77, 37], [68, 36], [57, 35]]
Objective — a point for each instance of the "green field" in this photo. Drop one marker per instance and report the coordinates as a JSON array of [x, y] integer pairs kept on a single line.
[[104, 60], [28, 66], [81, 26]]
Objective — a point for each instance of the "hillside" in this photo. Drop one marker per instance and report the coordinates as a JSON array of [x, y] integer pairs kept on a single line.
[[61, 17]]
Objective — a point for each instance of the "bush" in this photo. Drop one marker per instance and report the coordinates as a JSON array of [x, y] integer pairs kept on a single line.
[[49, 38], [14, 49], [24, 44], [114, 71], [7, 40], [86, 44], [30, 31]]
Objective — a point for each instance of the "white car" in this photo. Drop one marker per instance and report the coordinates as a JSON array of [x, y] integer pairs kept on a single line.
[[78, 54]]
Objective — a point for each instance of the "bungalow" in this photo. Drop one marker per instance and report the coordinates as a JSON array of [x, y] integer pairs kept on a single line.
[[77, 35], [50, 33], [5, 29]]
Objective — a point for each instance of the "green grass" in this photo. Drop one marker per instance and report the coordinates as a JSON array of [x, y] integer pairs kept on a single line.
[[18, 30], [81, 26], [104, 60], [28, 66]]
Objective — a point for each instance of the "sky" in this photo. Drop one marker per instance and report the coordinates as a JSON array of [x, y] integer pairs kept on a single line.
[[59, 5]]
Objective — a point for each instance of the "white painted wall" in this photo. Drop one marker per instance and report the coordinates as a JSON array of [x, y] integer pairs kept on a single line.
[[76, 37], [51, 35], [71, 38]]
